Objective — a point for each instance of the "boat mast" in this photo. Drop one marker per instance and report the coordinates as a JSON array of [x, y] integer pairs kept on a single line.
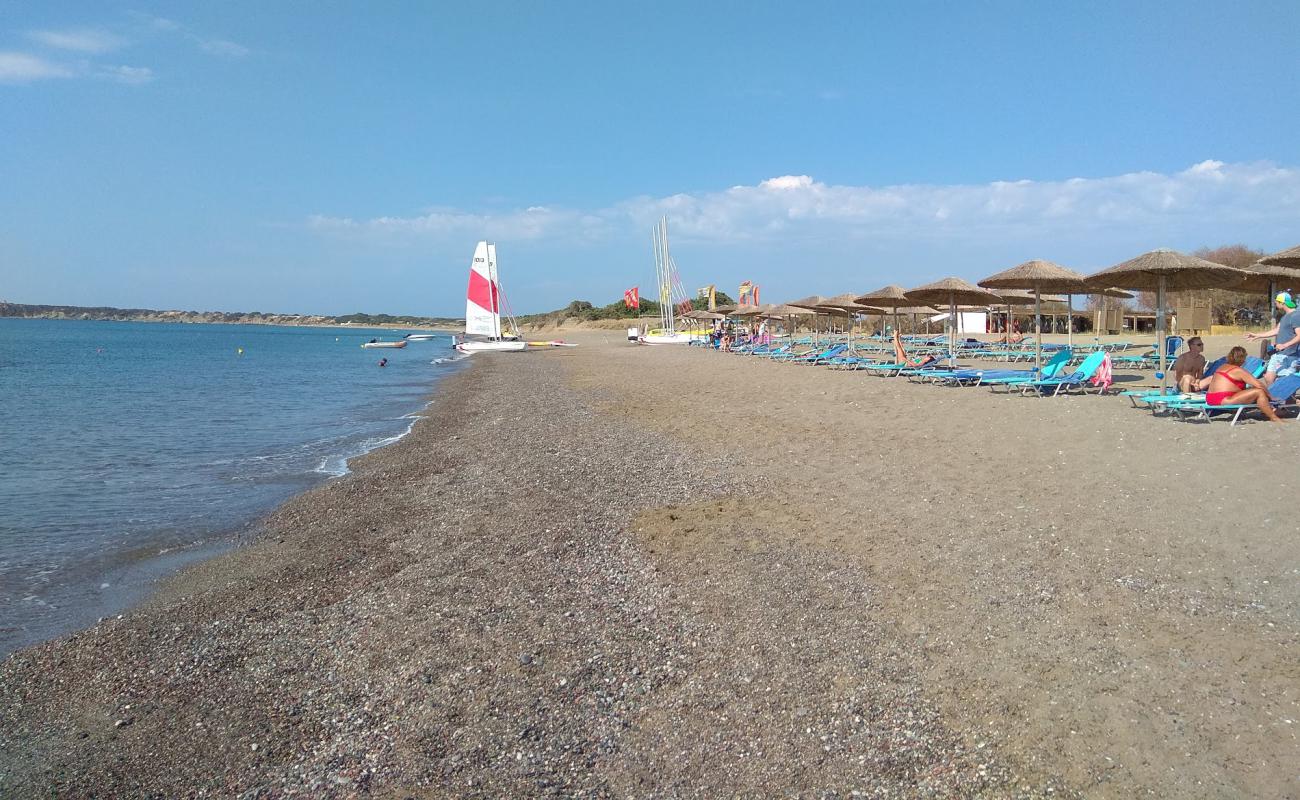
[[495, 289], [663, 275]]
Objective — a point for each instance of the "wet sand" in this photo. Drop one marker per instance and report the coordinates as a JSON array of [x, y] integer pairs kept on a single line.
[[627, 571]]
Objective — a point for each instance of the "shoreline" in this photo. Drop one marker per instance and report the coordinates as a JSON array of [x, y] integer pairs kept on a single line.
[[592, 586], [129, 575]]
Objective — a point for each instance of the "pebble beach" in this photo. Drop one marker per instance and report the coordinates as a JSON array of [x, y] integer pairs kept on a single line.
[[619, 571]]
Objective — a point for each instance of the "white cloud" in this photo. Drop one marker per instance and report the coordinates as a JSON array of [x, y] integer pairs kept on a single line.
[[222, 47], [81, 40], [1193, 203], [24, 68], [124, 74]]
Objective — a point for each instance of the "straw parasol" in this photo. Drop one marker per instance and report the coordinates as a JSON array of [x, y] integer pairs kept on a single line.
[[724, 310], [845, 303], [892, 296], [1163, 270], [702, 314], [1286, 258], [1038, 276], [1267, 278], [1014, 297], [786, 313], [951, 291], [812, 302]]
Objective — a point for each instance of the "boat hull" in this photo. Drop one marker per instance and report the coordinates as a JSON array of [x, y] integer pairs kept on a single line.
[[492, 347], [665, 338], [384, 345]]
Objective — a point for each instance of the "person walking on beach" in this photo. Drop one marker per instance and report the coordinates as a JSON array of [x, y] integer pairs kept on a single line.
[[1287, 330], [1190, 366]]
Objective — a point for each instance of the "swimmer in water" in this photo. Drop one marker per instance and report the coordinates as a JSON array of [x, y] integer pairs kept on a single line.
[[383, 362]]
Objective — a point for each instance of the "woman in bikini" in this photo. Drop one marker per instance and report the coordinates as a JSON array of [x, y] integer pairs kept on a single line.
[[900, 355], [1231, 385]]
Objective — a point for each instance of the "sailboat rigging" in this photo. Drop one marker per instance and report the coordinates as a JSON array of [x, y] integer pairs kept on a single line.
[[671, 292]]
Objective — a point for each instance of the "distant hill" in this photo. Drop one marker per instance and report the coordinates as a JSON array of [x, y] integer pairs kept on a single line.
[[229, 317], [583, 311]]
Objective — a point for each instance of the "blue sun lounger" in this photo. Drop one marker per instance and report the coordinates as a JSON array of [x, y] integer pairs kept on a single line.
[[976, 377], [1078, 379]]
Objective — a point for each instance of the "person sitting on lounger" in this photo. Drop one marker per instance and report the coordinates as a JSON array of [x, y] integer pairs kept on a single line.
[[1189, 369], [1230, 385], [900, 355]]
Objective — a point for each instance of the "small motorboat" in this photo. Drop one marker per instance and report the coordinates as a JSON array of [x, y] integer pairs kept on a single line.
[[420, 337], [373, 344]]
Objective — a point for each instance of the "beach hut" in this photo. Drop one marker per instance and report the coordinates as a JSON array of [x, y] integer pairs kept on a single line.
[[1163, 270], [952, 292]]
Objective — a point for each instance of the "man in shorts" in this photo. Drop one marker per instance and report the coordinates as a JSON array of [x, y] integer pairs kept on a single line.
[[1287, 330], [1189, 369]]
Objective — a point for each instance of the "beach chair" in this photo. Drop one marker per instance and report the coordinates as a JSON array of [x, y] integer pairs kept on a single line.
[[1045, 387], [1282, 394], [815, 355], [999, 377]]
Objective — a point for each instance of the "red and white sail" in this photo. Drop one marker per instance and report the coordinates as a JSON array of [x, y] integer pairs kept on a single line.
[[483, 298]]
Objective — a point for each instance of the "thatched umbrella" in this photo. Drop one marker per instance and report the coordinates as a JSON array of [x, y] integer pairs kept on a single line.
[[1267, 278], [892, 296], [812, 302], [702, 314], [951, 291], [1163, 270], [844, 303], [1014, 297], [1286, 258], [724, 310], [1038, 276], [786, 313]]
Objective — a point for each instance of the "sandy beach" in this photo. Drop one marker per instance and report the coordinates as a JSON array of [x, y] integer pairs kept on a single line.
[[619, 571]]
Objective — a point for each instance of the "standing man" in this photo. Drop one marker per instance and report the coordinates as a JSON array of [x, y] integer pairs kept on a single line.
[[1287, 349]]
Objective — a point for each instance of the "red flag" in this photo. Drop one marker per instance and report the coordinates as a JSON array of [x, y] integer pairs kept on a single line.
[[632, 297], [685, 307]]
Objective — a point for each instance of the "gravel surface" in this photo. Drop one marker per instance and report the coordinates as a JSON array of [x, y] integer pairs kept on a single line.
[[528, 596]]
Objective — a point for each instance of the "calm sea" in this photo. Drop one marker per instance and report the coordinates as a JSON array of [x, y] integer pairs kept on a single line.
[[127, 449]]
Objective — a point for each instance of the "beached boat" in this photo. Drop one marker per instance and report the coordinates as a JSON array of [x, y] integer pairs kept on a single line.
[[483, 301], [671, 293], [397, 345]]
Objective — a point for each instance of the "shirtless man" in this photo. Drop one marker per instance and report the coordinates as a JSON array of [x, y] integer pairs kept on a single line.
[[1190, 367]]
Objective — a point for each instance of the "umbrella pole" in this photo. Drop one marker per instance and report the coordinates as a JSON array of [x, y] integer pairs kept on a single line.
[[1069, 320], [1160, 328], [952, 332], [1038, 332], [1272, 292]]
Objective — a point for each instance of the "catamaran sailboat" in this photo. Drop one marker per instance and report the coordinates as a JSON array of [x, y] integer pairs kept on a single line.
[[671, 292], [483, 307]]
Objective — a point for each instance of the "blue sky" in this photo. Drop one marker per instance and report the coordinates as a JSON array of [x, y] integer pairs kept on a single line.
[[339, 157]]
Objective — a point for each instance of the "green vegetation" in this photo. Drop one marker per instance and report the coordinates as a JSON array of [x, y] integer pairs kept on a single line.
[[584, 310]]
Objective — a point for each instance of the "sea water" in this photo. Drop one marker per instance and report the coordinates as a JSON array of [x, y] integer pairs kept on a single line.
[[127, 449]]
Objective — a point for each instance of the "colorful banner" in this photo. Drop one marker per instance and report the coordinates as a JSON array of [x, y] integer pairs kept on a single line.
[[632, 297], [748, 294]]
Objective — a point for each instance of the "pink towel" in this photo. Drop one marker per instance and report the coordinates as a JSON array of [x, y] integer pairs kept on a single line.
[[1103, 377]]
